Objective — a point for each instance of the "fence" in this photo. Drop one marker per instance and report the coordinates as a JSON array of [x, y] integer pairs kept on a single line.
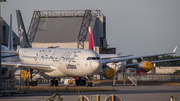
[[158, 77]]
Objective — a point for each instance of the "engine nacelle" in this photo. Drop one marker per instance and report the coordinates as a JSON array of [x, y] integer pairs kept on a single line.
[[25, 72], [145, 66], [108, 72]]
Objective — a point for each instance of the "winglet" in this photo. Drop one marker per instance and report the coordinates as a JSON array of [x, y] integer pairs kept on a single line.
[[174, 51]]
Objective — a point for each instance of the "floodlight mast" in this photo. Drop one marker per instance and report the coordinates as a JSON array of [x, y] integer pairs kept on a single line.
[[0, 57], [0, 5], [0, 47]]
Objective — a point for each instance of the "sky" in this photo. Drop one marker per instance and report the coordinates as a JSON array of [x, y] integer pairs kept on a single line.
[[139, 27]]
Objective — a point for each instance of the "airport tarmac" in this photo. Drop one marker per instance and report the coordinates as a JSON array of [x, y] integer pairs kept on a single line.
[[125, 92]]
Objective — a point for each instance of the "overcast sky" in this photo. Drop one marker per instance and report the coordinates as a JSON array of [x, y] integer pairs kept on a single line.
[[139, 27]]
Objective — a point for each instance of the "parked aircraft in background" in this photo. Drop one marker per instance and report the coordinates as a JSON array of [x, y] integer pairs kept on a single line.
[[119, 62], [8, 56], [56, 62]]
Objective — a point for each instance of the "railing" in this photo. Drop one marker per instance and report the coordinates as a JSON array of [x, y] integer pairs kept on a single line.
[[158, 77], [129, 76]]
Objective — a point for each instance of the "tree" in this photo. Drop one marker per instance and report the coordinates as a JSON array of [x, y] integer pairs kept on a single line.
[[177, 71]]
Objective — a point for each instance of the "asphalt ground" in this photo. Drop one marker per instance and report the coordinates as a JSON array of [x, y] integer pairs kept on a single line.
[[125, 92]]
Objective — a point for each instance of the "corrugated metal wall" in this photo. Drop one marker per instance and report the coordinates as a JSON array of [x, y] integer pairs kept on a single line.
[[64, 29], [4, 34]]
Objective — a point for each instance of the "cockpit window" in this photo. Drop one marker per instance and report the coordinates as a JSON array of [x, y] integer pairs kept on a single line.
[[93, 58], [89, 58]]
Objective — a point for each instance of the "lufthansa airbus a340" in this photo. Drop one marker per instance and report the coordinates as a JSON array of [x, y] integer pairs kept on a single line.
[[57, 62]]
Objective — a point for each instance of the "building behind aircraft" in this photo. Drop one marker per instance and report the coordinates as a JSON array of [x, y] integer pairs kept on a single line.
[[4, 30], [68, 29]]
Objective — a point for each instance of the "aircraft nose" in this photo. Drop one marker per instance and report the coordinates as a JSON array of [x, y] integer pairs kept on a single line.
[[96, 66]]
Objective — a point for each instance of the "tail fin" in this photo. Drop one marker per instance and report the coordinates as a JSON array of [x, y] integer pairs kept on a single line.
[[91, 42], [10, 41], [24, 43]]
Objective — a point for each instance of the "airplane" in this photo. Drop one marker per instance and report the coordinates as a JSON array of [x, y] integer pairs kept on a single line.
[[117, 64], [57, 62], [7, 72], [8, 56]]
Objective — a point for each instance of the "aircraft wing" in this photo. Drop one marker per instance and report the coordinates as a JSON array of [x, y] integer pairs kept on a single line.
[[8, 56], [41, 67], [109, 56], [159, 61], [9, 52], [136, 57]]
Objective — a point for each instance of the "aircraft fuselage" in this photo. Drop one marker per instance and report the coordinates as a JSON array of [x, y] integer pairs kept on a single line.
[[68, 62]]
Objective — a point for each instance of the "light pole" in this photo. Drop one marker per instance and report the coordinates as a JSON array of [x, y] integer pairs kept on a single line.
[[0, 47], [0, 5]]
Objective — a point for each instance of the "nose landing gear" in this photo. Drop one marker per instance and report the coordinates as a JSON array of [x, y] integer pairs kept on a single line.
[[89, 83]]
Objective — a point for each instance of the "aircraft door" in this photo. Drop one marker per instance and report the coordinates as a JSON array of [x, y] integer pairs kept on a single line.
[[79, 58], [89, 63]]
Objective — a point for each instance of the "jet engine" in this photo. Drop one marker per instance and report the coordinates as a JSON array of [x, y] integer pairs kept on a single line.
[[108, 72], [27, 73], [145, 66]]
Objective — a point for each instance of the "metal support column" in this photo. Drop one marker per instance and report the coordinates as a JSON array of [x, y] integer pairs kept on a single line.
[[0, 61], [84, 29]]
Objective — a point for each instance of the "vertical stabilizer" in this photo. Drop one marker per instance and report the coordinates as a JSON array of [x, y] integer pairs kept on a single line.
[[24, 43], [10, 40], [91, 42]]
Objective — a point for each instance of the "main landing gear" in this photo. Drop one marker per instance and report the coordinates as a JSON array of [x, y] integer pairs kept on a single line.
[[32, 83], [54, 81]]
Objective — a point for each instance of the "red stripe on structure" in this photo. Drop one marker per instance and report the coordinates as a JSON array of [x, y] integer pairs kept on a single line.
[[91, 43]]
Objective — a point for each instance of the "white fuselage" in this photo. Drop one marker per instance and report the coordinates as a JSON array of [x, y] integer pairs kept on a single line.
[[66, 62]]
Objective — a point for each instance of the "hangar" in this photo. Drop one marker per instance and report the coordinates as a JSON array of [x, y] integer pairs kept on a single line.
[[4, 33], [68, 29]]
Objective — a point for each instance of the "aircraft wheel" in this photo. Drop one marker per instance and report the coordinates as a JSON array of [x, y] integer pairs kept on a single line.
[[25, 83], [35, 83], [89, 84], [52, 83], [56, 83]]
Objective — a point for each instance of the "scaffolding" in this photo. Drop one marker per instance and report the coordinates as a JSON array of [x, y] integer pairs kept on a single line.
[[84, 28], [8, 81]]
